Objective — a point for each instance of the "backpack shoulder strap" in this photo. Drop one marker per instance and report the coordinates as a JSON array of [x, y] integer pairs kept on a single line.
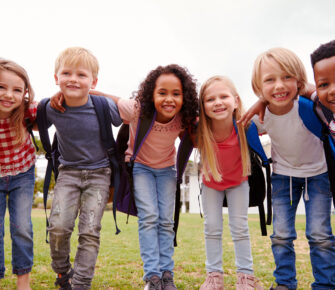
[[313, 123], [143, 129], [101, 107], [184, 151], [42, 124], [256, 146], [29, 126], [309, 117]]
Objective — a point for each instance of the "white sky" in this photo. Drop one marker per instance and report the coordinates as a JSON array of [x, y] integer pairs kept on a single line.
[[130, 38]]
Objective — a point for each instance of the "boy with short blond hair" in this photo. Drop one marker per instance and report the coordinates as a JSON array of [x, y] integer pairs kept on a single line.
[[84, 174], [299, 170]]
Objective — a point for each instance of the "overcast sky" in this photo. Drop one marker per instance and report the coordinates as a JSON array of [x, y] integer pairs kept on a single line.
[[130, 38]]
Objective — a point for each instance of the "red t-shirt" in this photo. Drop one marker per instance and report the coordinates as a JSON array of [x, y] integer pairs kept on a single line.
[[13, 159], [228, 154]]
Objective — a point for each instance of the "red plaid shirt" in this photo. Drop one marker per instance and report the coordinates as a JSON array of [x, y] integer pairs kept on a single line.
[[15, 160]]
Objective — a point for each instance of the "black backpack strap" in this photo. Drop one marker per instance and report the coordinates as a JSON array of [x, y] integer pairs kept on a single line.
[[144, 126], [256, 146], [327, 145], [101, 107], [268, 192], [29, 126], [42, 124], [143, 129], [184, 151]]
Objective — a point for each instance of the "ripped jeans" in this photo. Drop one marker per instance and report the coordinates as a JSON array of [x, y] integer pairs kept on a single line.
[[85, 192]]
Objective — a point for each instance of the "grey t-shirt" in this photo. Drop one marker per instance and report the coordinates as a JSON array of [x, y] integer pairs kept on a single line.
[[78, 134]]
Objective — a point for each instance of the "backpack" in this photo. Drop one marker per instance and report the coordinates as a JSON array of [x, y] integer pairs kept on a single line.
[[313, 123], [29, 126], [52, 153], [258, 187], [124, 198]]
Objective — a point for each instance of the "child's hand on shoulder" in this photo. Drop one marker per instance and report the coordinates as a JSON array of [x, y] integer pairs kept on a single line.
[[256, 109], [56, 102], [98, 93]]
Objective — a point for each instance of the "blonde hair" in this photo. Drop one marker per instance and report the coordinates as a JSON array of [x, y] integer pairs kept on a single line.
[[288, 61], [206, 141], [75, 56], [17, 116]]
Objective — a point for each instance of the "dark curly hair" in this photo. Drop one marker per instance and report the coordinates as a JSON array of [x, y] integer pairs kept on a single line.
[[326, 50], [189, 108]]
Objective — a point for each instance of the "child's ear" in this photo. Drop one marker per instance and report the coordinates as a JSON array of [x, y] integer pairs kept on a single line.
[[237, 100], [56, 79], [94, 83]]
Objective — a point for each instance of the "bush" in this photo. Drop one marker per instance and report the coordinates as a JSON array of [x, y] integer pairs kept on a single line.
[[38, 203]]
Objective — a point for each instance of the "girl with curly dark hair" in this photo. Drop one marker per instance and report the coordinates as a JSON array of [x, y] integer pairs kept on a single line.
[[171, 92]]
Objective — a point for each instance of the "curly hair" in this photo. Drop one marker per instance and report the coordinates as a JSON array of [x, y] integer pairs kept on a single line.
[[189, 110], [326, 50]]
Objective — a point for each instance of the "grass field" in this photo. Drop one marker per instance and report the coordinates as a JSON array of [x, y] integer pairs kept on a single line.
[[119, 264]]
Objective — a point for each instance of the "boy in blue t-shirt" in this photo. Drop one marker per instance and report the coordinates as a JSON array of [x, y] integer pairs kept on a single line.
[[84, 174]]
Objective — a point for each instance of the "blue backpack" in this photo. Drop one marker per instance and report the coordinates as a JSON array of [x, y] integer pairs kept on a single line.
[[52, 154], [311, 120], [259, 186], [124, 197]]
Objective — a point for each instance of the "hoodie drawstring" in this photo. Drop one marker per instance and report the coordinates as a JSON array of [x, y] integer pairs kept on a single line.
[[306, 191], [306, 197], [291, 190]]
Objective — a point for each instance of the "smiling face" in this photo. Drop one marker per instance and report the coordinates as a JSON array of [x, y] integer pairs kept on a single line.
[[219, 101], [324, 76], [12, 91], [75, 83], [167, 97], [277, 87]]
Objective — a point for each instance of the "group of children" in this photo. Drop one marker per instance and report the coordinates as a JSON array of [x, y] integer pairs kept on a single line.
[[82, 187]]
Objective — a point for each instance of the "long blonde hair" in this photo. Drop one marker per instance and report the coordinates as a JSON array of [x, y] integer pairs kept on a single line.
[[206, 142], [17, 116]]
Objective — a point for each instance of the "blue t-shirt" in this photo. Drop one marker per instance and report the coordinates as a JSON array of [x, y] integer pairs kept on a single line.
[[78, 134]]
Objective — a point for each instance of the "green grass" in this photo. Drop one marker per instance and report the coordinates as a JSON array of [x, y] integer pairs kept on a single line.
[[119, 265]]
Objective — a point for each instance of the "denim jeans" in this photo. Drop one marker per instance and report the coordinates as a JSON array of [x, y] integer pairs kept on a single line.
[[85, 192], [20, 191], [155, 191], [318, 229], [238, 202]]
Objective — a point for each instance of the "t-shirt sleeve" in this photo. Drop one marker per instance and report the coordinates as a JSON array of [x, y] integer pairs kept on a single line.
[[114, 111], [260, 127], [128, 109]]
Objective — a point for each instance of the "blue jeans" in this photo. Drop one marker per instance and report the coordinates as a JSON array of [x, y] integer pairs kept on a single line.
[[318, 229], [238, 202], [20, 191], [83, 192], [155, 191]]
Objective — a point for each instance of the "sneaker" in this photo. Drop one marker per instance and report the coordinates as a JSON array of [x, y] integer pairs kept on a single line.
[[247, 282], [279, 287], [64, 280], [154, 283], [167, 281], [214, 281]]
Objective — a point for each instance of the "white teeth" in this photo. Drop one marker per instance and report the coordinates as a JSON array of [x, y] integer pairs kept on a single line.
[[280, 95]]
